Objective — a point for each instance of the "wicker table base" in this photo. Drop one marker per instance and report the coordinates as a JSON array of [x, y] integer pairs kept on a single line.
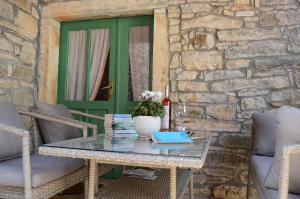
[[129, 188]]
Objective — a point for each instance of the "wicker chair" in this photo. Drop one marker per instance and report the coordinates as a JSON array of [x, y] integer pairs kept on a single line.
[[258, 168], [55, 186]]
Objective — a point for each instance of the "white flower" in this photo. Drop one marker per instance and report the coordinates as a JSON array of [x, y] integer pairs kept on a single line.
[[151, 95]]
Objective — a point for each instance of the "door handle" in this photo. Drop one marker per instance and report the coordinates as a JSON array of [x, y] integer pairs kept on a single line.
[[110, 89]]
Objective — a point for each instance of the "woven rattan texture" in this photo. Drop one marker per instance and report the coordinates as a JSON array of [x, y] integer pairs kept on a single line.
[[129, 188]]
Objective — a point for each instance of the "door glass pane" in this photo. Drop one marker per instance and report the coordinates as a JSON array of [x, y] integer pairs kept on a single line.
[[99, 71], [76, 65], [139, 61]]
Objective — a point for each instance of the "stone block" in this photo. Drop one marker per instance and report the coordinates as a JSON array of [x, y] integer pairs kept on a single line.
[[195, 60], [28, 54], [203, 98], [8, 83], [22, 97], [256, 103], [219, 172], [221, 112], [226, 159], [192, 86], [244, 176], [288, 17], [187, 75], [198, 124], [175, 47], [290, 96], [174, 29], [35, 13], [250, 25], [191, 111], [233, 140], [3, 69], [23, 72], [23, 4], [196, 8], [228, 13], [261, 83], [248, 34], [27, 25], [171, 2], [6, 11], [257, 49], [14, 38], [236, 64], [278, 61], [228, 191], [246, 13], [6, 45], [271, 72], [174, 21], [212, 22], [174, 38], [222, 74], [175, 61], [253, 92], [203, 41], [294, 41], [268, 19]]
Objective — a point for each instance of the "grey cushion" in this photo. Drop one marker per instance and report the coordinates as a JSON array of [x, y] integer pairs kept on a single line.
[[43, 170], [262, 165], [288, 132], [10, 144], [53, 131], [274, 194], [264, 125]]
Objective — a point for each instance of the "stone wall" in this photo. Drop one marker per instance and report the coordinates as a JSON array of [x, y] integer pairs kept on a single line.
[[230, 59], [19, 21]]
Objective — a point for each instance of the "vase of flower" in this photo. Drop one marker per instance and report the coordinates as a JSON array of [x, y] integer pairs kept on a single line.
[[147, 114]]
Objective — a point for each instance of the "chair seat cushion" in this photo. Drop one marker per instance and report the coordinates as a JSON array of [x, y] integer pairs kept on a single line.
[[53, 131], [44, 169], [262, 165], [10, 144], [274, 194]]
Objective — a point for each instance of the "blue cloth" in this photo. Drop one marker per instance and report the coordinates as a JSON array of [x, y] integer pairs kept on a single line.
[[171, 137]]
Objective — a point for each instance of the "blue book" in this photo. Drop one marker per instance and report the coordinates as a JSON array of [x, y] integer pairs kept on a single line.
[[171, 137]]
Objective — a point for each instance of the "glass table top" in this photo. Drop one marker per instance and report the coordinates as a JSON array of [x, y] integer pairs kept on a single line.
[[135, 146]]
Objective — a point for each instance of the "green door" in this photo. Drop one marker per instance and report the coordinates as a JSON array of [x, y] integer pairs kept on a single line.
[[104, 64]]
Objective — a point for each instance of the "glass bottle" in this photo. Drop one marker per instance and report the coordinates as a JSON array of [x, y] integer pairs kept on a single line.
[[167, 104]]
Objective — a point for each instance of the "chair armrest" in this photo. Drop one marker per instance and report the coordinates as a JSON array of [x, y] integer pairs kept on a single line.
[[14, 130], [287, 151], [87, 115], [58, 119], [25, 155]]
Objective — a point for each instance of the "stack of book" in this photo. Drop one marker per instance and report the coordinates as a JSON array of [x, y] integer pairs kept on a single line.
[[143, 173], [119, 126]]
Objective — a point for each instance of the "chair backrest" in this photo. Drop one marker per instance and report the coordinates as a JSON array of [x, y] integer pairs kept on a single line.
[[36, 137]]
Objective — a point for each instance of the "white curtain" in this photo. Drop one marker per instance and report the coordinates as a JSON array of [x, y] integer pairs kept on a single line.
[[99, 54], [76, 65], [139, 47], [77, 62]]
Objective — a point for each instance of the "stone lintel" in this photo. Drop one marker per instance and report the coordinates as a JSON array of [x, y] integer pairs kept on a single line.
[[95, 9]]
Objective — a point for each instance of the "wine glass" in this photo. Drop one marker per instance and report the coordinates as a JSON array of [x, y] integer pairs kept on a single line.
[[180, 113]]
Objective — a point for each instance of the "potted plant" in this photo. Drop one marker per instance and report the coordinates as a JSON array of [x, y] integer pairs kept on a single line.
[[148, 113]]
